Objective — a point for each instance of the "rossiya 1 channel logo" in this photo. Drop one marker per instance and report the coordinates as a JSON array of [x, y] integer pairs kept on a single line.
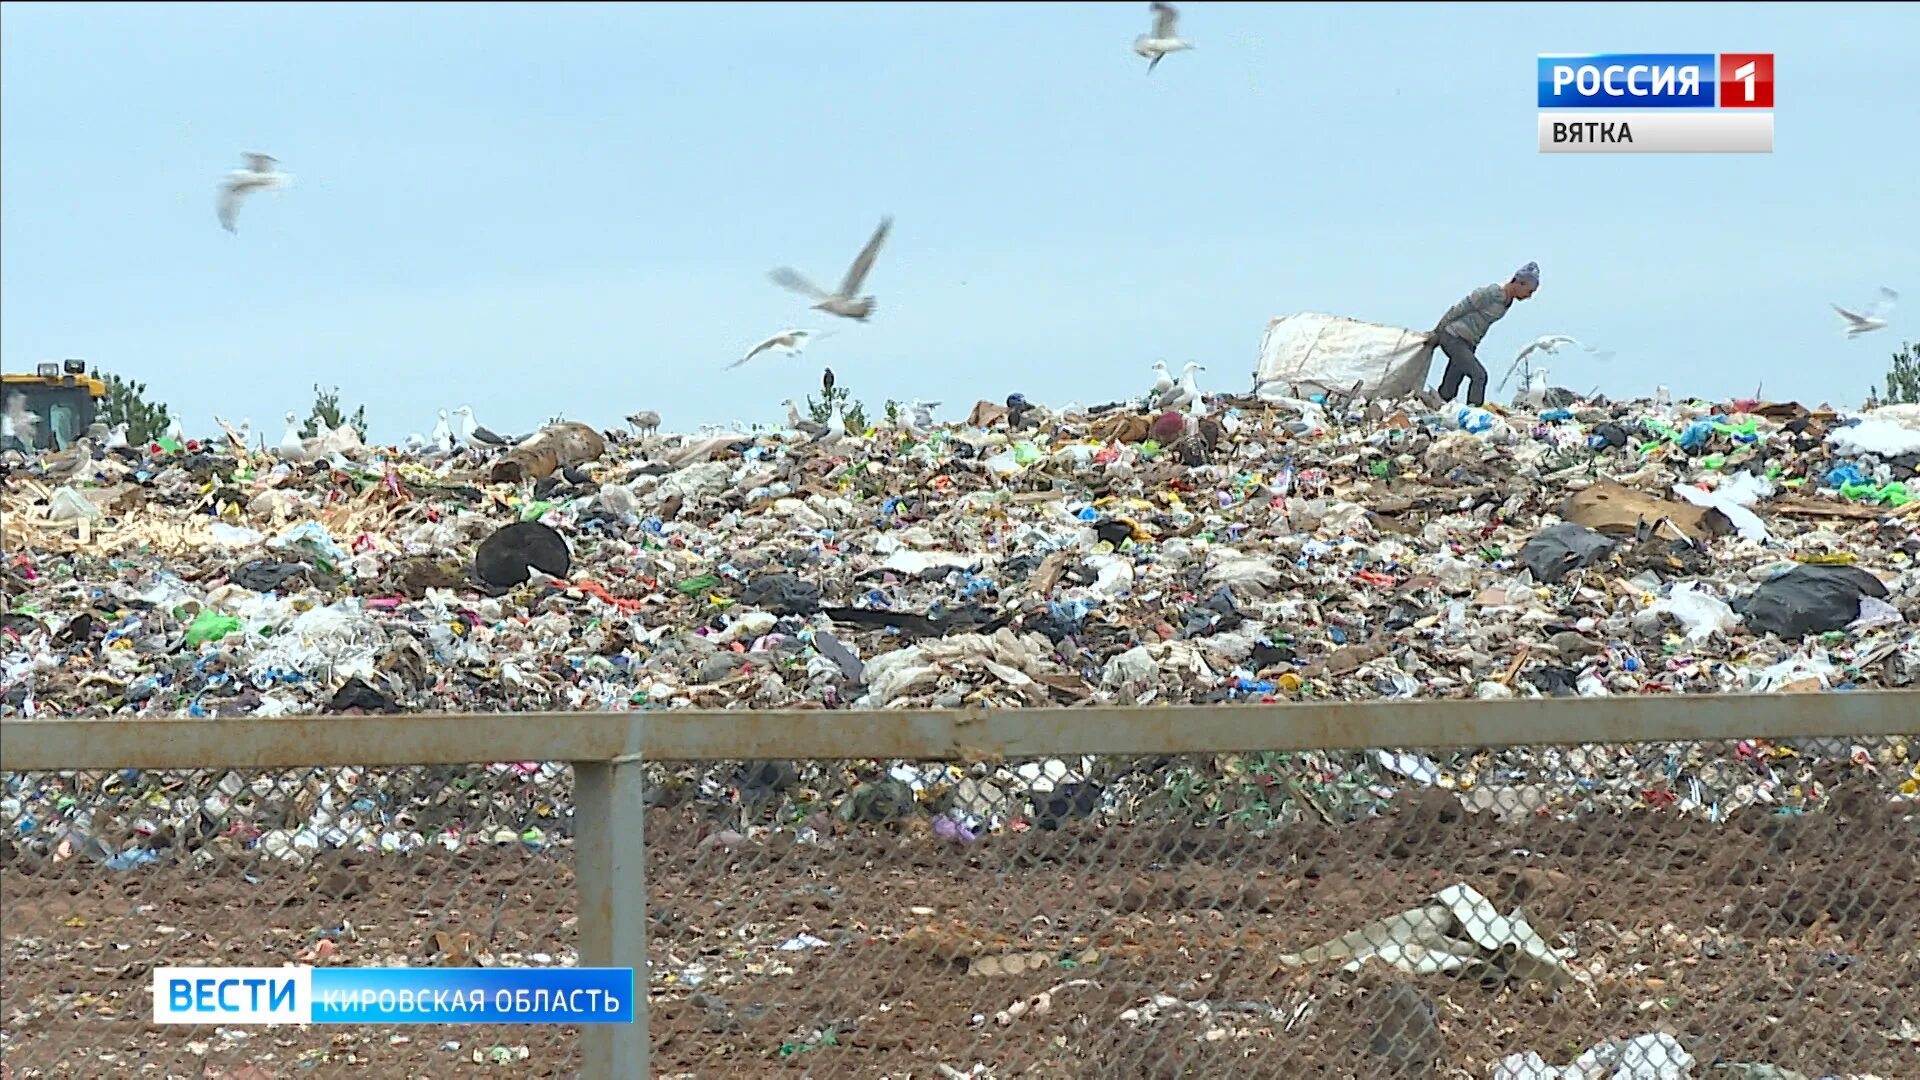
[[1656, 103]]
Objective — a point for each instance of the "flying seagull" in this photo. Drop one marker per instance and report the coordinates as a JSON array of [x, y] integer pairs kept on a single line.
[[1165, 37], [1873, 318], [790, 342], [842, 303], [1550, 344], [261, 174]]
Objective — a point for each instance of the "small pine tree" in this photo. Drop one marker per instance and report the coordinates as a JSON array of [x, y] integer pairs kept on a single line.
[[893, 412], [855, 413], [326, 413], [1903, 379], [126, 403]]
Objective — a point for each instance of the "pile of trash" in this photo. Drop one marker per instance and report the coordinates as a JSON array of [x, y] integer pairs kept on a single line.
[[1227, 549], [1266, 550]]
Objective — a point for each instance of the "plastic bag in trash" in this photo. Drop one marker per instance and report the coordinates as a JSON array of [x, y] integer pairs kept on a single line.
[[310, 536], [210, 625], [1558, 551], [504, 557], [1700, 612], [69, 505], [1809, 600]]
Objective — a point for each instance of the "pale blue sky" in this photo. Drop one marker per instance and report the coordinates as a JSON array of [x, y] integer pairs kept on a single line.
[[572, 209]]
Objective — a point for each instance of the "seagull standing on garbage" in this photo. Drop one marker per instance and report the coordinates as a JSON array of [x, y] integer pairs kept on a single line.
[[292, 447], [836, 430], [261, 174], [1872, 317], [1535, 395], [442, 436], [73, 462], [842, 302], [472, 431], [645, 422], [173, 433], [1162, 379], [1165, 37], [800, 423], [790, 342], [1184, 393]]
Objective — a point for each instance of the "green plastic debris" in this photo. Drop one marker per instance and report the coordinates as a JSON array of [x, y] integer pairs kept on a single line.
[[695, 586], [1026, 453], [1893, 494], [829, 1037], [534, 511], [210, 625]]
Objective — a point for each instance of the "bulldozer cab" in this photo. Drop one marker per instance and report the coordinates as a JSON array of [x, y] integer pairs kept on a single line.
[[60, 401]]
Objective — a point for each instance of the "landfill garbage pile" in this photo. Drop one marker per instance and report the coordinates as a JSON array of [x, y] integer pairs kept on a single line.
[[1260, 552]]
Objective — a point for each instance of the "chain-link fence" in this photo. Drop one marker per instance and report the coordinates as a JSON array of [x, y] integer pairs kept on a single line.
[[107, 875], [1660, 910], [1688, 909]]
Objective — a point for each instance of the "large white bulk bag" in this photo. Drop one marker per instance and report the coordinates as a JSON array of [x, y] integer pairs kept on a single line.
[[1309, 354]]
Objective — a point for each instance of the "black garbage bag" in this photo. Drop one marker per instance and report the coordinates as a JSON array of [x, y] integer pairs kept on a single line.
[[1558, 551], [1808, 600], [1611, 434], [357, 694], [265, 575], [503, 558], [782, 594]]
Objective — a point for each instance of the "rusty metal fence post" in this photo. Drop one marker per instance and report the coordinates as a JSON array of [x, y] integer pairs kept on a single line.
[[611, 874]]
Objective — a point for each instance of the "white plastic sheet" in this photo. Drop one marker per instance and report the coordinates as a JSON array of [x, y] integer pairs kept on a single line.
[[1889, 431], [1307, 354], [1733, 498]]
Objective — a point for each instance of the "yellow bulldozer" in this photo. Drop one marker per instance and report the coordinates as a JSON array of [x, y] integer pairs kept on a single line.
[[55, 405]]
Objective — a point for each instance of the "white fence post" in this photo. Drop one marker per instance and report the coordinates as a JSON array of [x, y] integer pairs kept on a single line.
[[610, 872]]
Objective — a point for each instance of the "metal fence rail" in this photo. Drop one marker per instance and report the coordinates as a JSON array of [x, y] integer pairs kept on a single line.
[[1081, 939]]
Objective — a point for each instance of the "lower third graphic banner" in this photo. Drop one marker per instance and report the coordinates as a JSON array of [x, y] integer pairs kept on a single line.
[[345, 995]]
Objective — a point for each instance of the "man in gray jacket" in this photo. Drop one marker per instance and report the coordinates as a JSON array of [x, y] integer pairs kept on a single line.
[[1466, 323]]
